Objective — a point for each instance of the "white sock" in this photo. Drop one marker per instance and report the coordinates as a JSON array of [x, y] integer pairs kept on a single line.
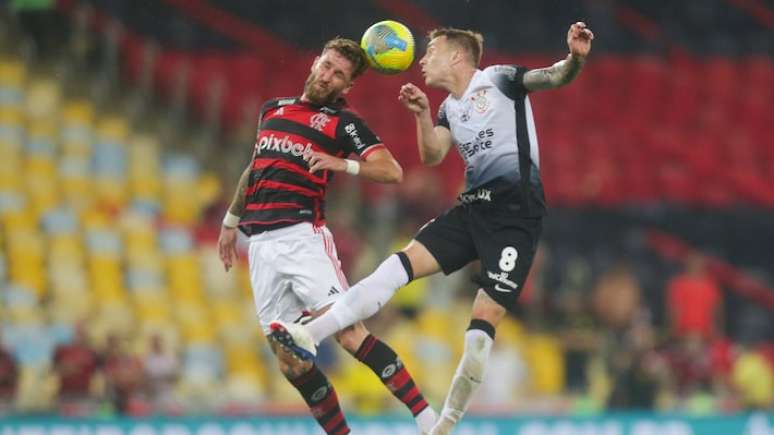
[[426, 419], [362, 300], [467, 379]]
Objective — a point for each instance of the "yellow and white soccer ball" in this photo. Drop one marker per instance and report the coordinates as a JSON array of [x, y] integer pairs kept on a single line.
[[389, 46]]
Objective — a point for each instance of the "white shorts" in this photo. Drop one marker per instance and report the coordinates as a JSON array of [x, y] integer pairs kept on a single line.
[[293, 269]]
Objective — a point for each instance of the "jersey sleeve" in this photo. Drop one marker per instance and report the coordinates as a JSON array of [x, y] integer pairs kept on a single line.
[[355, 136], [509, 79], [442, 119]]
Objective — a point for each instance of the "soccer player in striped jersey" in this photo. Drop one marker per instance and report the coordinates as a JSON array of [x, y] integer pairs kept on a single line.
[[279, 204], [498, 219]]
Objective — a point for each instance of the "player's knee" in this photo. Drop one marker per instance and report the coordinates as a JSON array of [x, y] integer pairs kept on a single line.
[[487, 309], [351, 337]]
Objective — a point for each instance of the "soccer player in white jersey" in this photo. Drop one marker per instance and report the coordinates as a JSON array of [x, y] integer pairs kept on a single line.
[[498, 219]]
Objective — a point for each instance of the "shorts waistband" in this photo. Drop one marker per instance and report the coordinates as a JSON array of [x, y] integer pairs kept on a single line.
[[298, 230], [488, 192]]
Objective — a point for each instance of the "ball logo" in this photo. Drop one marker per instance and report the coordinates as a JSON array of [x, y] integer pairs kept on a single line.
[[318, 121], [319, 394], [389, 371]]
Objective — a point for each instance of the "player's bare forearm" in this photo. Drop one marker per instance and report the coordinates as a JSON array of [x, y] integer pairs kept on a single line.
[[579, 39], [431, 150], [237, 206], [382, 170], [556, 75]]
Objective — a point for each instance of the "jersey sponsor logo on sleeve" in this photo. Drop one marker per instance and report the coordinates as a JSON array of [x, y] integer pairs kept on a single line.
[[351, 130]]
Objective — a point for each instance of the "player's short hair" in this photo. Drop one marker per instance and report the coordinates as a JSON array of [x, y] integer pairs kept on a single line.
[[468, 40], [351, 51]]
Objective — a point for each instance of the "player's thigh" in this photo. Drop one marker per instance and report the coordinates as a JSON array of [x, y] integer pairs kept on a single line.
[[444, 243], [506, 246], [272, 293], [313, 267]]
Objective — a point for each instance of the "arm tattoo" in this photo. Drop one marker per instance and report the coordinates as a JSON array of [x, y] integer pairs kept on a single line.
[[237, 206], [554, 76]]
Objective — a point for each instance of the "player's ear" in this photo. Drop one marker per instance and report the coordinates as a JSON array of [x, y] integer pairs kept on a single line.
[[346, 90], [316, 59], [455, 56]]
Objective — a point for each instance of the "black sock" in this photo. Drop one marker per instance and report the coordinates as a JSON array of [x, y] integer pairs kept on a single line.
[[385, 363], [321, 398]]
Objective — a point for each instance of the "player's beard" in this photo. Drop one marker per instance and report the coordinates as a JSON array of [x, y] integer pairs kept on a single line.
[[317, 95]]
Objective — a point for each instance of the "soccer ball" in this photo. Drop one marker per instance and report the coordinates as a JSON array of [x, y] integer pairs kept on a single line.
[[389, 46]]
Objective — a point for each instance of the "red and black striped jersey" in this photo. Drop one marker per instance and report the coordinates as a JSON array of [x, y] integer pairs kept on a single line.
[[281, 191]]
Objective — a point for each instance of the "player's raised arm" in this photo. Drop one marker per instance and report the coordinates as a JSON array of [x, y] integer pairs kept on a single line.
[[433, 141], [579, 39]]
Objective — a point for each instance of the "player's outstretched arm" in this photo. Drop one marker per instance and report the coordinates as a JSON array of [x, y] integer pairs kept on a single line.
[[227, 239], [579, 39], [433, 141]]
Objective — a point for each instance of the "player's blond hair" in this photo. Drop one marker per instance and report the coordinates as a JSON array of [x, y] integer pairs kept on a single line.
[[351, 51], [470, 41]]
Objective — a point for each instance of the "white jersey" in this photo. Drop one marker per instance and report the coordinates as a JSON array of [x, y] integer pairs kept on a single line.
[[494, 131]]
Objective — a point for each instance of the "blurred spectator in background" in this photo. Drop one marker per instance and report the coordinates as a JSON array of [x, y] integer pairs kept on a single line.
[[629, 340], [76, 366], [580, 338], [699, 359], [9, 377], [123, 376], [694, 301], [162, 369]]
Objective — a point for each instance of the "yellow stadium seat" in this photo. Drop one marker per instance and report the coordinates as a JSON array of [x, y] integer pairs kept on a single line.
[[111, 192], [43, 99], [36, 389], [546, 364], [12, 73], [113, 128], [78, 112], [197, 333]]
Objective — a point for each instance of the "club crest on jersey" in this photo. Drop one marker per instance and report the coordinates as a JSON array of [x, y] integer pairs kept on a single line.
[[318, 121], [480, 102]]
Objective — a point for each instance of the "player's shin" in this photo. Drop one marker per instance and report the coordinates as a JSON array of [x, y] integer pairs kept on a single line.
[[384, 362], [322, 400], [363, 299], [467, 378]]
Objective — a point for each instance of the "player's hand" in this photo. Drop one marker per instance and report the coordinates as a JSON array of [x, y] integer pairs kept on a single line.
[[413, 98], [579, 39], [319, 161], [227, 246]]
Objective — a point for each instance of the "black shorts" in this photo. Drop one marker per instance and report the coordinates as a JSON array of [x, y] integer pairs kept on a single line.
[[485, 226]]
